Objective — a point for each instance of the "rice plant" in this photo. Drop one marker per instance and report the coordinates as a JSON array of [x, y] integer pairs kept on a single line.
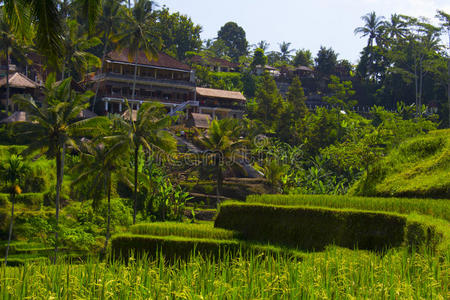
[[182, 229], [438, 208], [334, 273]]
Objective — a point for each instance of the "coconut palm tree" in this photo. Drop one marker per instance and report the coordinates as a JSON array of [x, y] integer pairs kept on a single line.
[[139, 34], [147, 131], [372, 28], [77, 58], [396, 27], [285, 52], [100, 159], [9, 44], [224, 146], [46, 17], [12, 173], [107, 25], [52, 125]]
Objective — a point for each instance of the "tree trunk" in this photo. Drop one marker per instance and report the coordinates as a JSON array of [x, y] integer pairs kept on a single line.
[[7, 78], [416, 82], [448, 89], [59, 180], [105, 48], [10, 228], [219, 179], [135, 77], [109, 212], [136, 153]]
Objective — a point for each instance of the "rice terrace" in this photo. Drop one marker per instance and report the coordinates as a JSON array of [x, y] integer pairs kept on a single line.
[[224, 150]]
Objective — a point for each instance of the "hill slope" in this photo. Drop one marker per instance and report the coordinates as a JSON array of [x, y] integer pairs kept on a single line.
[[419, 167]]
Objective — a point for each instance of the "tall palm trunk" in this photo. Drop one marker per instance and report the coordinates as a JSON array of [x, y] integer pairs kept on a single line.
[[105, 48], [59, 180], [108, 224], [10, 228], [448, 88], [7, 78], [219, 179], [136, 154], [134, 80]]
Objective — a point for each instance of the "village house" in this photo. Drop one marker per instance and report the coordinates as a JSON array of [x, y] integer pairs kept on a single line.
[[164, 80], [220, 104], [18, 84]]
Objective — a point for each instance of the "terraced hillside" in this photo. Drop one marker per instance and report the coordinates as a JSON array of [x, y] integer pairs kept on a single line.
[[419, 167]]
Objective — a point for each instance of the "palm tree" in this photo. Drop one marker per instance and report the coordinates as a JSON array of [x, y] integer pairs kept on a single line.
[[49, 28], [147, 131], [108, 24], [396, 28], [9, 44], [139, 35], [224, 146], [77, 58], [99, 161], [12, 173], [285, 52], [52, 126], [372, 27]]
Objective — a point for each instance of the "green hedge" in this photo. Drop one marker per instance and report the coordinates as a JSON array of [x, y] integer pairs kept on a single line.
[[439, 208], [313, 228], [182, 229]]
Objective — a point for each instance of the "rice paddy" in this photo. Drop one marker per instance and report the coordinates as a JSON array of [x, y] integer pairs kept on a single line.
[[206, 231], [334, 273], [438, 208]]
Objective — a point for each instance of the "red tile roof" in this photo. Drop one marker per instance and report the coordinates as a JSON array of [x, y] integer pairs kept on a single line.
[[163, 61]]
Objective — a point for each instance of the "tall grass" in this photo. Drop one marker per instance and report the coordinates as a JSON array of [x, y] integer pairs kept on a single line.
[[439, 208], [206, 231], [335, 273]]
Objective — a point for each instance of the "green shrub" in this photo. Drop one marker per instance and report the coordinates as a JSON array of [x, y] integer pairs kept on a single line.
[[34, 200], [313, 228], [438, 208], [4, 200], [182, 229]]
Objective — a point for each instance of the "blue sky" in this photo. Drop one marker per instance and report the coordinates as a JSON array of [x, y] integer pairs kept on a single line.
[[306, 24]]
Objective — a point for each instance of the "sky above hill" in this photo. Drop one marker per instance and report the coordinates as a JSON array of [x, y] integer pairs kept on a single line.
[[306, 24]]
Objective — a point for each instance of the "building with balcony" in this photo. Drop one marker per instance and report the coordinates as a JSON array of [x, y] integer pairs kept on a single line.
[[220, 104], [164, 80]]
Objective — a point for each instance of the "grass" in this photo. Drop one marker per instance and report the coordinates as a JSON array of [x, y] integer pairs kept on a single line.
[[334, 273], [438, 208], [419, 167], [206, 231]]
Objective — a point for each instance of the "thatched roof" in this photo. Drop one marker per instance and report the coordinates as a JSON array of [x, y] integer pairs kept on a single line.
[[201, 120], [163, 61], [18, 116], [18, 80], [214, 93]]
